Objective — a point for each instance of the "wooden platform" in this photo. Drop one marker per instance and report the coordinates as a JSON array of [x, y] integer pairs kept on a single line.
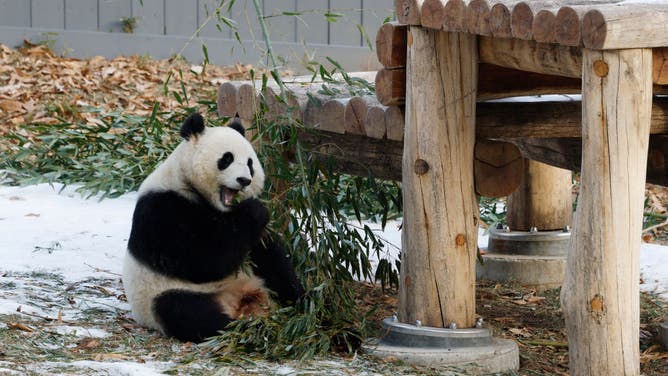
[[432, 125], [459, 52]]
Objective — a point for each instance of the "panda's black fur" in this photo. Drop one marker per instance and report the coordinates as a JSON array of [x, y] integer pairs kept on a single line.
[[182, 273]]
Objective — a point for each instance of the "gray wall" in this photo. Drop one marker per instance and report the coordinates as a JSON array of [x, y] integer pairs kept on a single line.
[[84, 28]]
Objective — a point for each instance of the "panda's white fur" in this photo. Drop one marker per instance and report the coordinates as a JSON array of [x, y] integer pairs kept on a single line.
[[197, 180], [194, 162], [142, 285]]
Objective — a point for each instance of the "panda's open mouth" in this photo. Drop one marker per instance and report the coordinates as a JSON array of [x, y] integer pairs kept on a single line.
[[227, 195]]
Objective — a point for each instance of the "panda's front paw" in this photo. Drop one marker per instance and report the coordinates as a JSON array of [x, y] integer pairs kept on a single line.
[[253, 212]]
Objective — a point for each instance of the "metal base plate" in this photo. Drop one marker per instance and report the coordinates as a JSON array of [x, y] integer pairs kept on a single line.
[[459, 351], [529, 243]]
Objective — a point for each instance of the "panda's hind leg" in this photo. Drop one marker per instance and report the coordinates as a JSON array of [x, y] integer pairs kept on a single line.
[[189, 316], [271, 263]]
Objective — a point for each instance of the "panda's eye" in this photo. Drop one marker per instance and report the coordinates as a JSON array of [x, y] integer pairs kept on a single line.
[[225, 161], [250, 166]]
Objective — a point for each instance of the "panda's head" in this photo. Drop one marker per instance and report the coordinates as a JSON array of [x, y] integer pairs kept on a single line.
[[219, 162]]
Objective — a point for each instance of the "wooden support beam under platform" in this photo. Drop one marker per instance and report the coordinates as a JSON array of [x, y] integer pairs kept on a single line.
[[364, 156], [520, 54]]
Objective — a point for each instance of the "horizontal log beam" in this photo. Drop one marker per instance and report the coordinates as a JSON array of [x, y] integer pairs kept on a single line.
[[355, 155], [614, 24], [514, 120], [494, 82], [364, 156], [524, 55], [567, 153]]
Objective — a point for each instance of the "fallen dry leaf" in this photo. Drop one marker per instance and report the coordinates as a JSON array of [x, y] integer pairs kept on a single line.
[[9, 105], [523, 332], [88, 343], [19, 326], [103, 357]]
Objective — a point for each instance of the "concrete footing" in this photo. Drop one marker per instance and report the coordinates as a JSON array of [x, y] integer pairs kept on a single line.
[[540, 272], [466, 351], [531, 258]]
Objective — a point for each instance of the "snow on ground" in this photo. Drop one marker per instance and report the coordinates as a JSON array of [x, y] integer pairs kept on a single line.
[[49, 240], [42, 229]]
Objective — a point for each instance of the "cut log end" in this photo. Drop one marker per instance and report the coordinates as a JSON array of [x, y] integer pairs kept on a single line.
[[594, 29], [478, 17], [432, 14], [408, 12], [391, 45], [521, 21], [543, 27], [499, 21], [567, 29], [227, 99], [391, 86], [455, 16], [498, 168]]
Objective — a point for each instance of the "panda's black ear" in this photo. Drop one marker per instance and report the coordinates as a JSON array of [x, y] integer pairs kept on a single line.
[[237, 126], [193, 125]]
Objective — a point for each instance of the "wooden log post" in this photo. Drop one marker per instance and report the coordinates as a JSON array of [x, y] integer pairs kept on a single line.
[[543, 199], [439, 239], [600, 296]]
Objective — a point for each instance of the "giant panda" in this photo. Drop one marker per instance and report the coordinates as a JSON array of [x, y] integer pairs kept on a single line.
[[196, 221]]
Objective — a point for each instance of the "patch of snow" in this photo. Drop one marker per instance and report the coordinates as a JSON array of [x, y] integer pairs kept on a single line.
[[122, 368], [80, 332], [8, 371], [11, 307], [63, 233], [654, 269]]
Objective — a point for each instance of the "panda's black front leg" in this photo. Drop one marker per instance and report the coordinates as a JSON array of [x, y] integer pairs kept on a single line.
[[250, 218], [271, 263]]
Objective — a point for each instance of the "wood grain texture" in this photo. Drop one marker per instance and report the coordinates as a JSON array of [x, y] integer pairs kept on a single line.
[[437, 284], [227, 98], [498, 168], [494, 82], [477, 17], [355, 112], [544, 199], [356, 155], [518, 120], [521, 21], [566, 153], [408, 11], [432, 14], [600, 297], [375, 124], [531, 56], [391, 86], [568, 29], [391, 45], [626, 26], [544, 27], [246, 101], [455, 15], [499, 21], [660, 66], [394, 122]]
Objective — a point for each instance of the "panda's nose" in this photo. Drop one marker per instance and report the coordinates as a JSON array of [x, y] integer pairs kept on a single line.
[[245, 182]]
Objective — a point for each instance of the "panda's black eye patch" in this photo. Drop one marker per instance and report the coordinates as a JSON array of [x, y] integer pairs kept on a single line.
[[250, 166], [225, 161]]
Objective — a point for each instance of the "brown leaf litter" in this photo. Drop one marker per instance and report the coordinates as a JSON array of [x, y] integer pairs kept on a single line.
[[38, 86]]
